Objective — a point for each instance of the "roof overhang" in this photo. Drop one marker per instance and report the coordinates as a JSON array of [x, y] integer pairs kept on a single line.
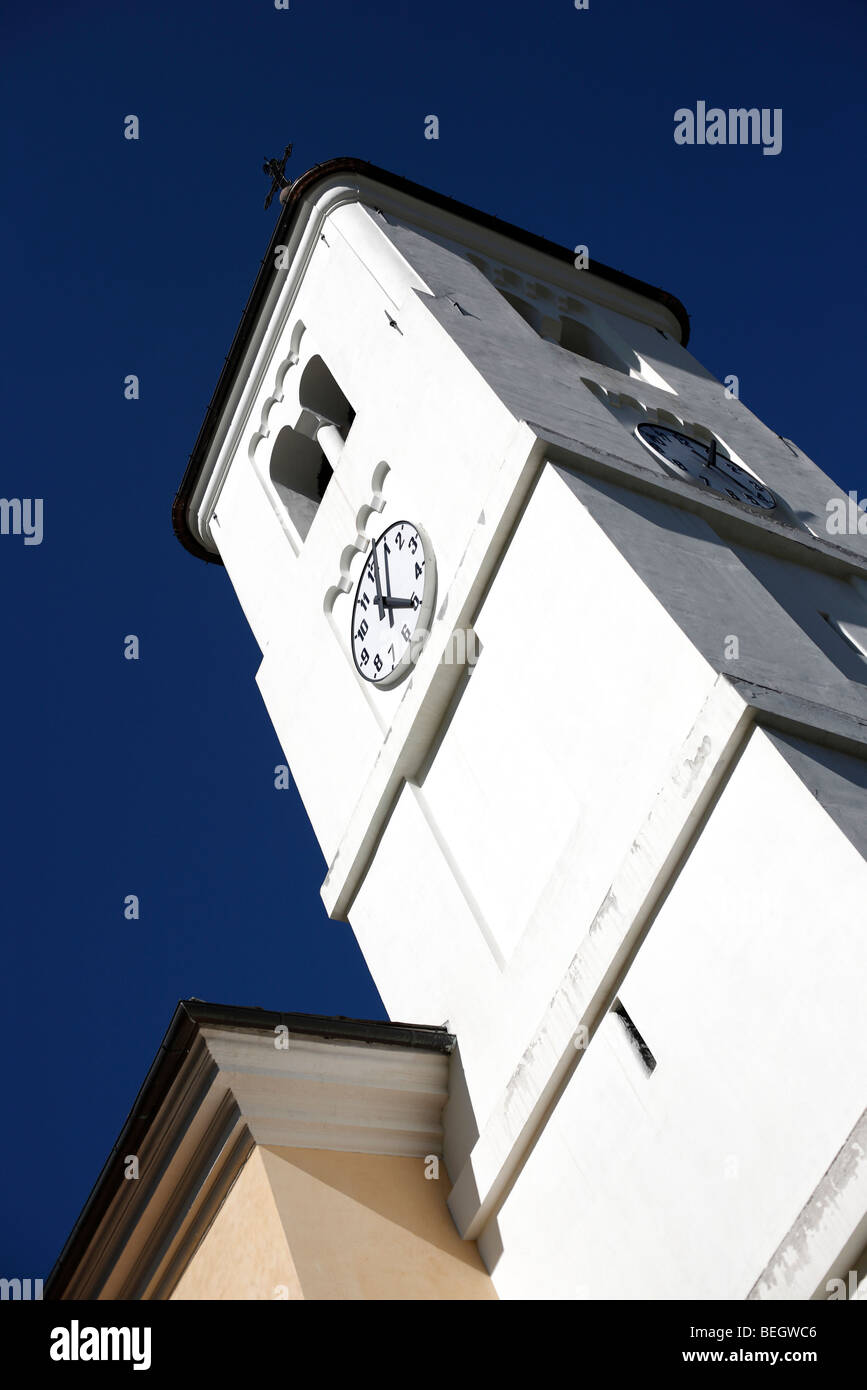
[[223, 1080]]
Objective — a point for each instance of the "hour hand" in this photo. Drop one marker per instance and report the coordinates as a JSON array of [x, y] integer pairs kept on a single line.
[[397, 602]]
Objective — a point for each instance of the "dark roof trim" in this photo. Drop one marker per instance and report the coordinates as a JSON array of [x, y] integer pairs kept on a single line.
[[267, 270], [426, 1037], [189, 1016]]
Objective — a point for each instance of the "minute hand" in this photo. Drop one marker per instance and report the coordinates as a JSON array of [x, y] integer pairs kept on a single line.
[[379, 599], [387, 600]]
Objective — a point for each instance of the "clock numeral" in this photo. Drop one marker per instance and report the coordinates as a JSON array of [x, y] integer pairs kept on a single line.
[[364, 657], [399, 540], [362, 630], [391, 649], [413, 544], [415, 600], [363, 601], [405, 633], [417, 570], [370, 574], [377, 663]]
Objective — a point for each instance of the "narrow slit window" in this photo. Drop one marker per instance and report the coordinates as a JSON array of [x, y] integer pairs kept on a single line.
[[647, 1058], [853, 634]]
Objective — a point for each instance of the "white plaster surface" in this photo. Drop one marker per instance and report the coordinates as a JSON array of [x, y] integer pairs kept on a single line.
[[472, 824]]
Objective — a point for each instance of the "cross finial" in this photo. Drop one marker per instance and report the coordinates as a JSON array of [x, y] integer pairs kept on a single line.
[[276, 169]]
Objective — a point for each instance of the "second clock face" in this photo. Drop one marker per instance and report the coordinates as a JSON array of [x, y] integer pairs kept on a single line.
[[394, 600], [705, 466]]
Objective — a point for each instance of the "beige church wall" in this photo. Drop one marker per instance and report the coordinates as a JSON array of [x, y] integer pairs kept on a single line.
[[244, 1254], [371, 1226]]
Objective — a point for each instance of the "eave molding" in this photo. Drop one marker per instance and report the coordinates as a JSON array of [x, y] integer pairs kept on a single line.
[[234, 1089]]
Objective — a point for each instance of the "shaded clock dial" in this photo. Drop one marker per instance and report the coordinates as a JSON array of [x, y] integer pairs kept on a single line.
[[706, 465], [393, 604]]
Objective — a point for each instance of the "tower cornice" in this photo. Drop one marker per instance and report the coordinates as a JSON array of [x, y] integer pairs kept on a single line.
[[295, 206]]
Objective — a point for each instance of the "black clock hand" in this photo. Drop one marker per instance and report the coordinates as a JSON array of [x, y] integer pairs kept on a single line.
[[380, 602], [398, 602], [387, 599]]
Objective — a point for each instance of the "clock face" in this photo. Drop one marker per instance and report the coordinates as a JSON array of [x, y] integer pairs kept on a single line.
[[393, 604], [705, 465]]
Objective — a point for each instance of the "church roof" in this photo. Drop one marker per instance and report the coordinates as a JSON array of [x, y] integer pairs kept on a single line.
[[292, 200], [190, 1017]]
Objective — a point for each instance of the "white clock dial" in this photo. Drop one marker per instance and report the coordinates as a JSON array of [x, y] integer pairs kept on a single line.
[[705, 465], [393, 604]]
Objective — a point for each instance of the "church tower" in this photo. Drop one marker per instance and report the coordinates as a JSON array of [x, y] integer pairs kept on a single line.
[[567, 652]]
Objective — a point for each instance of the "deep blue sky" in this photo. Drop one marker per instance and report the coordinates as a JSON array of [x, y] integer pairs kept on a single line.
[[156, 777]]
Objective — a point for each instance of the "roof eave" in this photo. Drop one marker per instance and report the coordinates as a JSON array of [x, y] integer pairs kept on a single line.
[[189, 1017]]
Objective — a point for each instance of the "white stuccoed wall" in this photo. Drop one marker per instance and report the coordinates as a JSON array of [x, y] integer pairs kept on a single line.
[[599, 787], [749, 991]]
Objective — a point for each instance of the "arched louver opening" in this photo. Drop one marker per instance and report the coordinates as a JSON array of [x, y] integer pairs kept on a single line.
[[300, 473], [586, 342], [305, 455], [319, 393]]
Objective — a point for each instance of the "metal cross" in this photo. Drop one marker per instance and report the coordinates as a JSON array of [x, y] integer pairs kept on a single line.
[[276, 169]]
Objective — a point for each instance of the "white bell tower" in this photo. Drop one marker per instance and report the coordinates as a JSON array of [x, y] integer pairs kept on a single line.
[[608, 817]]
